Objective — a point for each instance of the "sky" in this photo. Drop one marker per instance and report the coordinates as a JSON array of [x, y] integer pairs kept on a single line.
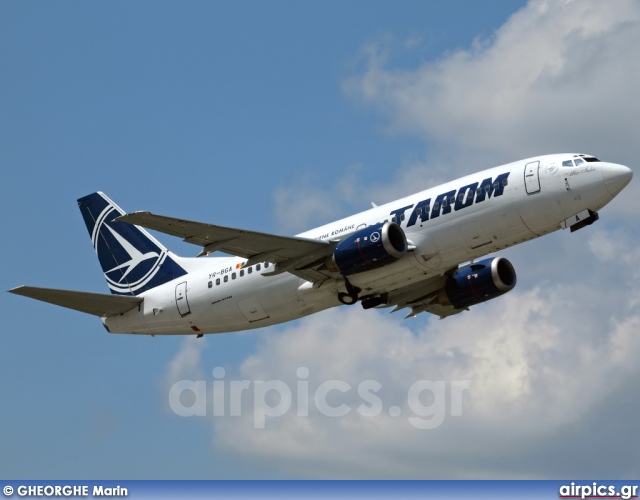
[[278, 117]]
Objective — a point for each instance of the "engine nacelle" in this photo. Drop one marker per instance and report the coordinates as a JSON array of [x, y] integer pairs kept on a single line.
[[481, 281], [369, 248]]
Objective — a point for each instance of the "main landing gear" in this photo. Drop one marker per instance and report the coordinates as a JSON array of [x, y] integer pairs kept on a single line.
[[351, 297], [368, 301]]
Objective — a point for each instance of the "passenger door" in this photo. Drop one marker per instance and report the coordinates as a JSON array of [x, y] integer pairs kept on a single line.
[[181, 299], [532, 177]]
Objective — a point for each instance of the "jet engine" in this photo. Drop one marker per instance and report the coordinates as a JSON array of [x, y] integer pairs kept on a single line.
[[369, 248], [478, 282]]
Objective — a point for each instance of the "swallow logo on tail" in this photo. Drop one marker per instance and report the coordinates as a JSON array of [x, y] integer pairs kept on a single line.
[[131, 259]]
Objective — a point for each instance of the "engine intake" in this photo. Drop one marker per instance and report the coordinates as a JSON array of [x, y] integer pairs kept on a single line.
[[481, 281], [369, 248]]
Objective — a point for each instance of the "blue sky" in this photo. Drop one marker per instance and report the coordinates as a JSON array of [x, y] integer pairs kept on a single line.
[[276, 116]]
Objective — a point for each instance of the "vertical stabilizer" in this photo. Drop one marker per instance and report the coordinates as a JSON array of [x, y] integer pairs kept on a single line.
[[132, 260]]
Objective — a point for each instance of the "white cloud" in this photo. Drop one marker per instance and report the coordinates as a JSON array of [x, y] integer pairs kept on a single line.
[[300, 204], [544, 361], [552, 364], [186, 364], [537, 365], [556, 76]]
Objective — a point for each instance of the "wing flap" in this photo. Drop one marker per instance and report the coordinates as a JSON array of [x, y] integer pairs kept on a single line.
[[97, 304], [421, 297], [239, 242]]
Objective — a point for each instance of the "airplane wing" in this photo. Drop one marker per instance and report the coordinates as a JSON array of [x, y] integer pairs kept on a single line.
[[422, 297], [292, 254], [98, 304]]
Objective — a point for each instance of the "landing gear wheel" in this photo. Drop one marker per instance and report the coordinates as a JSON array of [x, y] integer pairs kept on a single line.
[[347, 298]]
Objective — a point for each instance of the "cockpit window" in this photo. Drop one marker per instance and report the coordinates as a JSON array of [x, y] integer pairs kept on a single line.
[[588, 159], [579, 160]]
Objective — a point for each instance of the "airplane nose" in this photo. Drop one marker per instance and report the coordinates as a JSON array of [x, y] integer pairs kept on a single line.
[[616, 177]]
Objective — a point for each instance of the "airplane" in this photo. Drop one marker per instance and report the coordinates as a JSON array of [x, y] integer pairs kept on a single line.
[[418, 253]]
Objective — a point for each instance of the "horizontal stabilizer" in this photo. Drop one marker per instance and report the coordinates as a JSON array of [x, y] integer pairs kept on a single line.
[[98, 304]]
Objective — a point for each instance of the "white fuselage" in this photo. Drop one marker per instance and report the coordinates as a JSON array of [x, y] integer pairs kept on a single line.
[[534, 200]]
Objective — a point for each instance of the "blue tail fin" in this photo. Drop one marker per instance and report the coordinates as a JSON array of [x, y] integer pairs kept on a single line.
[[131, 259]]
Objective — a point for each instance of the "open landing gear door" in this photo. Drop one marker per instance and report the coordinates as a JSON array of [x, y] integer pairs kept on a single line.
[[578, 221]]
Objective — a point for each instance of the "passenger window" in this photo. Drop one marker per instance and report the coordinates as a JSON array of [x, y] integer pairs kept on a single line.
[[393, 219], [436, 206], [266, 264], [257, 267], [478, 191], [250, 270], [444, 202], [419, 211], [487, 188], [461, 196], [217, 281], [226, 278], [578, 162], [210, 284], [505, 182], [496, 185], [567, 163], [233, 276], [241, 272]]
